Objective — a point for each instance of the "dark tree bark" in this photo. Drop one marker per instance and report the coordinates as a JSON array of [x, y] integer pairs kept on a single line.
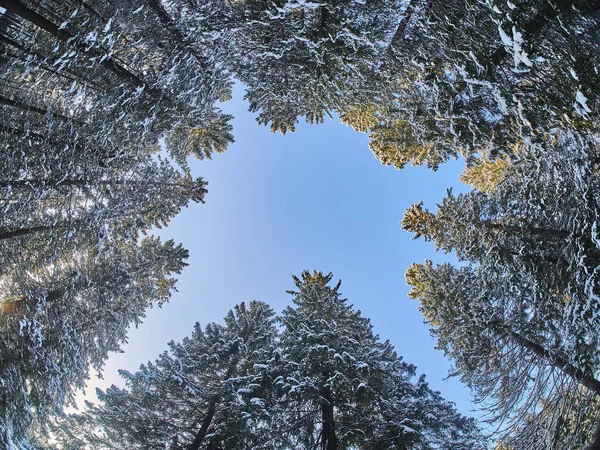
[[586, 380], [204, 428], [26, 107], [399, 34], [19, 8], [328, 437], [166, 19], [545, 232], [11, 234]]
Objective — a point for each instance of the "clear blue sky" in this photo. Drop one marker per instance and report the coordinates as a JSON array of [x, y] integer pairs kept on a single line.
[[315, 199]]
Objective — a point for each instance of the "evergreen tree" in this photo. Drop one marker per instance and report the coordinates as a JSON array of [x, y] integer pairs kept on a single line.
[[346, 389], [514, 352], [207, 392], [565, 422], [61, 320], [88, 90], [537, 227], [520, 320], [118, 73], [302, 58], [323, 381]]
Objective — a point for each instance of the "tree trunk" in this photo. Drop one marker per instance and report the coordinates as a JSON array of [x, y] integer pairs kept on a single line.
[[167, 21], [19, 8], [204, 428], [399, 34], [545, 232], [25, 107], [328, 437], [23, 232], [586, 380]]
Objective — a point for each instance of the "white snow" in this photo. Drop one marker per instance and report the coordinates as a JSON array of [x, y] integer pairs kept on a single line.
[[573, 73], [507, 41], [519, 55], [580, 104]]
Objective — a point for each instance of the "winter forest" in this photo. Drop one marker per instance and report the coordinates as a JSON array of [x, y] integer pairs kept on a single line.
[[105, 103]]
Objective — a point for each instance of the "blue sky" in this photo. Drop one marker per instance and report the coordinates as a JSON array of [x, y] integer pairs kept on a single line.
[[314, 199]]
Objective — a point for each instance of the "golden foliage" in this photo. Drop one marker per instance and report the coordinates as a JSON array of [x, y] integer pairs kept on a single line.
[[316, 278], [485, 174], [361, 117], [414, 278], [419, 221], [394, 144]]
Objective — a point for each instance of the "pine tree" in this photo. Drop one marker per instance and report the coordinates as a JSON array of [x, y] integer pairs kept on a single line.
[[322, 381], [512, 349], [88, 91], [344, 388], [477, 78], [566, 421], [300, 59], [536, 227], [115, 72], [207, 392], [62, 320]]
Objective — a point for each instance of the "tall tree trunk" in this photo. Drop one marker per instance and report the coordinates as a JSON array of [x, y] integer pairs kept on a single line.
[[11, 234], [26, 107], [328, 437], [408, 13], [65, 72], [208, 419], [204, 428], [167, 21], [19, 8], [586, 380], [545, 232]]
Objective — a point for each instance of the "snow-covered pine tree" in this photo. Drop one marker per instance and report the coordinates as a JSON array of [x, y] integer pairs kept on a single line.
[[114, 70], [565, 421], [301, 59], [477, 78], [514, 351], [211, 391], [322, 381], [60, 320], [46, 216], [537, 227], [61, 214], [87, 91], [344, 388]]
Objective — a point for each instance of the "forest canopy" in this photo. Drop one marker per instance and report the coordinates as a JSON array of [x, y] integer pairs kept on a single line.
[[102, 103]]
